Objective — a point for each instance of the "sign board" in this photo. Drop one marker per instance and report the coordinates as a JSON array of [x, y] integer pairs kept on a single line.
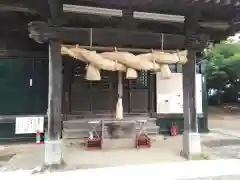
[[29, 125], [170, 94]]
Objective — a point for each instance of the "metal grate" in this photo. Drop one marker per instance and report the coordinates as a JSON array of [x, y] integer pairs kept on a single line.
[[141, 82], [79, 71], [104, 83]]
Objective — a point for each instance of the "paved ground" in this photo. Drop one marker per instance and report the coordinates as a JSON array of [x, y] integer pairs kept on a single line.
[[217, 145], [232, 124], [224, 139], [31, 156], [227, 177], [222, 146], [222, 142]]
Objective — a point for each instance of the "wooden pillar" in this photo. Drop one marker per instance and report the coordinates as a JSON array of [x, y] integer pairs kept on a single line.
[[204, 96], [53, 153], [191, 137], [55, 91], [189, 96], [128, 23], [152, 93]]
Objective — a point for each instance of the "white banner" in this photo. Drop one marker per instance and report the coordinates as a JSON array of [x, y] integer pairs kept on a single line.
[[29, 125]]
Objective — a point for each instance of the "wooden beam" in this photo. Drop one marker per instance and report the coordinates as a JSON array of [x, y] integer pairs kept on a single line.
[[227, 2], [42, 32], [128, 21], [23, 53], [33, 7], [17, 9], [207, 1]]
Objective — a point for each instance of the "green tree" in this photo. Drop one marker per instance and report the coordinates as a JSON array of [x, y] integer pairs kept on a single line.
[[223, 69]]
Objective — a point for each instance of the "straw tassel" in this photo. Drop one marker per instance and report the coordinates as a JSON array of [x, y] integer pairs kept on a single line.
[[119, 109], [119, 105]]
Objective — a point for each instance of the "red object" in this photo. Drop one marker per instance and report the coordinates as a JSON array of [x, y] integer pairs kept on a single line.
[[143, 141], [174, 130], [94, 143], [38, 137]]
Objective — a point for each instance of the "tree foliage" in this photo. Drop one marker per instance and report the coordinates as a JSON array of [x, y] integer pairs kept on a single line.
[[223, 68]]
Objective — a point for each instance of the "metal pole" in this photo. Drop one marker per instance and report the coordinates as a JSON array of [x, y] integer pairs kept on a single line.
[[132, 50]]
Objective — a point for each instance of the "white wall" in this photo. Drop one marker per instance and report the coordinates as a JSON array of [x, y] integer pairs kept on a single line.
[[170, 94]]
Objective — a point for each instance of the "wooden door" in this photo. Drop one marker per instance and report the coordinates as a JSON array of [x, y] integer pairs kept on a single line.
[[80, 90], [104, 93], [93, 97], [139, 93]]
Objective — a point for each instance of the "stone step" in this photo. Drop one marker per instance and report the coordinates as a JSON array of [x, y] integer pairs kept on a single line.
[[75, 134], [105, 116], [85, 124], [77, 125], [113, 143], [89, 128], [81, 128], [83, 133]]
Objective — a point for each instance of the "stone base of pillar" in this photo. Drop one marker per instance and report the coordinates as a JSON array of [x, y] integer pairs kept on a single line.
[[49, 168], [53, 157], [53, 153], [191, 145]]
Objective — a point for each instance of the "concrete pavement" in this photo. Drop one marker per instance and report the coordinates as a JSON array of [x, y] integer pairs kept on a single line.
[[228, 132], [188, 170], [231, 124], [222, 142], [31, 156], [75, 157], [221, 146]]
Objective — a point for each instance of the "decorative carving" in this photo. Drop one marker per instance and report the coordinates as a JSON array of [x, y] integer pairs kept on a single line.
[[42, 32], [196, 41], [193, 40]]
